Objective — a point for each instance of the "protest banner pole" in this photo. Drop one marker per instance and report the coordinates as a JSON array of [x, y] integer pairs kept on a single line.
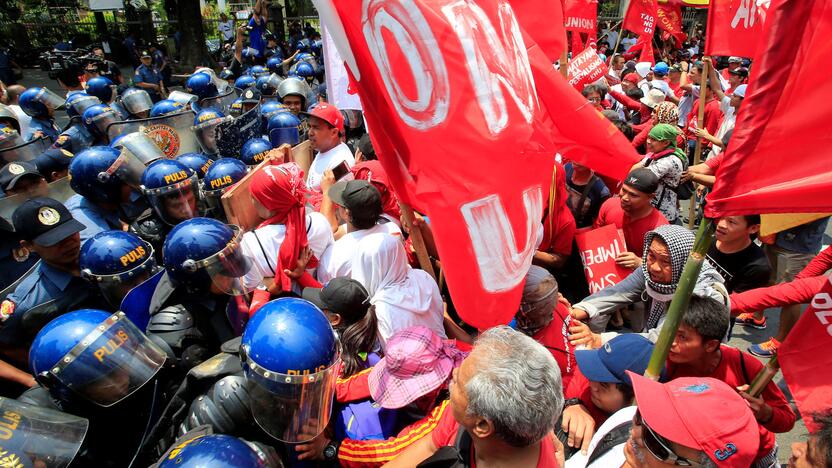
[[617, 41], [418, 241], [610, 29], [763, 378], [681, 298], [563, 64], [697, 153]]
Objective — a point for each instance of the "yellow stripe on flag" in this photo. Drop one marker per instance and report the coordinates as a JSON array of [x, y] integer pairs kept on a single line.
[[774, 223]]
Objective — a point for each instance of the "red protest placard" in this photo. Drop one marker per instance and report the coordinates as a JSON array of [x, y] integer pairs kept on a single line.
[[641, 17], [585, 68], [598, 249], [580, 16]]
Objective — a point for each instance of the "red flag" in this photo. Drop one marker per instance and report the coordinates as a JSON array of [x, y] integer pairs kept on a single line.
[[778, 158], [543, 21], [585, 68], [670, 20], [580, 16], [471, 114], [641, 17], [804, 357], [735, 27], [644, 48]]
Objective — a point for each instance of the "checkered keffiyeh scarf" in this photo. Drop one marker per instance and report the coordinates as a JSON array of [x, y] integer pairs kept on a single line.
[[679, 243]]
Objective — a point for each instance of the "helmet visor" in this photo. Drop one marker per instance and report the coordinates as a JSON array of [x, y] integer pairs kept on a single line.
[[231, 269], [48, 98], [182, 97], [291, 408], [110, 363], [136, 102], [35, 436], [13, 148], [206, 135], [104, 120], [81, 104], [115, 287], [176, 203]]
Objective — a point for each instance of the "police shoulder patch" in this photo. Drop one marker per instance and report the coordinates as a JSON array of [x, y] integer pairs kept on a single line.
[[6, 310]]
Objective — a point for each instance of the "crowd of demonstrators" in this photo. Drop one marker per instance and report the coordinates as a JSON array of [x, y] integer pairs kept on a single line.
[[312, 337]]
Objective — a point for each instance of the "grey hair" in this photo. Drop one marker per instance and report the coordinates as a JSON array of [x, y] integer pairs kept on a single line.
[[709, 317], [517, 386]]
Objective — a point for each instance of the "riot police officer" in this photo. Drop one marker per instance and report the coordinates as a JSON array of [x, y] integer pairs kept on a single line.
[[275, 65], [294, 94], [268, 109], [165, 107], [54, 286], [137, 103], [34, 436], [267, 85], [148, 78], [201, 85], [40, 104], [224, 173], [116, 262], [283, 127], [197, 162], [306, 71], [97, 119], [254, 151], [205, 128], [106, 92], [195, 450], [244, 82], [257, 71], [100, 366], [173, 193]]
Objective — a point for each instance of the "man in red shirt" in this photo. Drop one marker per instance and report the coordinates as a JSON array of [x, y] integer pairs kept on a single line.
[[633, 213], [505, 399], [697, 351], [713, 117]]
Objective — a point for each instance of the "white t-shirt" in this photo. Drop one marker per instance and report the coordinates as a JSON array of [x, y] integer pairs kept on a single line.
[[729, 119], [615, 456], [318, 232], [628, 42], [337, 260], [327, 160]]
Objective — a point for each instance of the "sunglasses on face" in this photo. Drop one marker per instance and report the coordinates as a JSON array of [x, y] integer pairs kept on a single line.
[[658, 446]]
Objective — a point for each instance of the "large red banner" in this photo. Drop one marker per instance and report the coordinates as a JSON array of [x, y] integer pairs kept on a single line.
[[735, 27], [766, 169], [804, 357], [641, 17], [670, 20], [585, 68], [581, 16], [470, 115]]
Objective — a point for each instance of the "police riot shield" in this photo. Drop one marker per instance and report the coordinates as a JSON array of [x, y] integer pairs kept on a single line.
[[136, 304], [13, 148], [172, 133], [220, 102], [59, 190], [31, 436], [233, 134]]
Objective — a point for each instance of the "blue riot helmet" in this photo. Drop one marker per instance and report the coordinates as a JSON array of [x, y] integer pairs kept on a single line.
[[116, 262], [320, 91], [273, 64], [34, 436], [254, 151], [102, 88], [267, 85], [205, 128], [196, 162], [97, 118], [317, 47], [40, 102], [303, 56], [224, 173], [236, 108], [172, 190], [245, 81], [77, 103], [306, 71], [290, 356], [95, 174], [304, 45], [283, 128], [248, 55], [203, 253], [93, 354], [226, 75], [137, 102], [218, 451], [271, 107], [202, 85], [165, 107], [257, 71]]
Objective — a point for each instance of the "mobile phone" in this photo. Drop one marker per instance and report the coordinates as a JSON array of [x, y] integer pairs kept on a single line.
[[341, 170]]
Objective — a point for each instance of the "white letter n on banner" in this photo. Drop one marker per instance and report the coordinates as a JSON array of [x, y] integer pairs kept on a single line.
[[501, 265]]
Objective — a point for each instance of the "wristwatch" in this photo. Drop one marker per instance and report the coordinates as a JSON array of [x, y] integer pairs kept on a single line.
[[331, 451], [572, 402]]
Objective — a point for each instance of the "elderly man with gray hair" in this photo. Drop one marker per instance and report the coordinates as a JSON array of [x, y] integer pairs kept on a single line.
[[505, 400]]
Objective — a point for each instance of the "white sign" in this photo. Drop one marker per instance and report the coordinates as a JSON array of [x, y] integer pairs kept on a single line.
[[98, 5], [337, 80]]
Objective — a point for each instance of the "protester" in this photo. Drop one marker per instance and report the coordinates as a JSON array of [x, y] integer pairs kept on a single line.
[[736, 257], [558, 226], [326, 127], [505, 399], [816, 452], [668, 162], [586, 193]]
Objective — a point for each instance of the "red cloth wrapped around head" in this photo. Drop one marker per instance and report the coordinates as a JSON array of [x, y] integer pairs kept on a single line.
[[373, 172]]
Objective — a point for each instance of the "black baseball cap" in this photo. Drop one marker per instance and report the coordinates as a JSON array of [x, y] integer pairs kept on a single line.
[[44, 221], [344, 296], [53, 160], [251, 96], [742, 72], [359, 196], [145, 53], [12, 172], [643, 180], [366, 147]]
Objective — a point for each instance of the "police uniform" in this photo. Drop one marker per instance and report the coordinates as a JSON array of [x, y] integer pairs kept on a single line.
[[47, 126], [74, 139], [145, 74], [95, 218]]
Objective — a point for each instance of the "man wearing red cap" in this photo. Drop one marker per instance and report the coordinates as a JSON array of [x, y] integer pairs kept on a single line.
[[693, 421], [326, 127]]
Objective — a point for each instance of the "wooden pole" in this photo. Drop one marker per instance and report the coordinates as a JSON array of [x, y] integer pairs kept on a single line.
[[681, 298], [418, 241], [697, 153], [608, 31], [563, 64], [617, 42]]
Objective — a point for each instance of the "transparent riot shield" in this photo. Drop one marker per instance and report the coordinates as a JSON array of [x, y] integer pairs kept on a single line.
[[172, 133]]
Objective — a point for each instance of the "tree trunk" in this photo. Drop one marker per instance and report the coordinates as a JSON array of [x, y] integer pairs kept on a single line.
[[194, 51], [101, 24]]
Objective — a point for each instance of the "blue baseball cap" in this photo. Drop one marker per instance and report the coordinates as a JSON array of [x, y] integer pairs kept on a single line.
[[661, 68], [610, 362]]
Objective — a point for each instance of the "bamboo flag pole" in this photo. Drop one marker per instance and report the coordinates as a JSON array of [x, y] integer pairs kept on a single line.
[[681, 298], [418, 241], [764, 377], [697, 153]]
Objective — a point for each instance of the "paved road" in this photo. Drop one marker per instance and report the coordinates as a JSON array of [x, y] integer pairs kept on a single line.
[[742, 337]]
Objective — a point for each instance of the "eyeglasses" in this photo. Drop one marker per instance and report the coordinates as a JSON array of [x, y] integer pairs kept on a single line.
[[594, 99], [658, 446]]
